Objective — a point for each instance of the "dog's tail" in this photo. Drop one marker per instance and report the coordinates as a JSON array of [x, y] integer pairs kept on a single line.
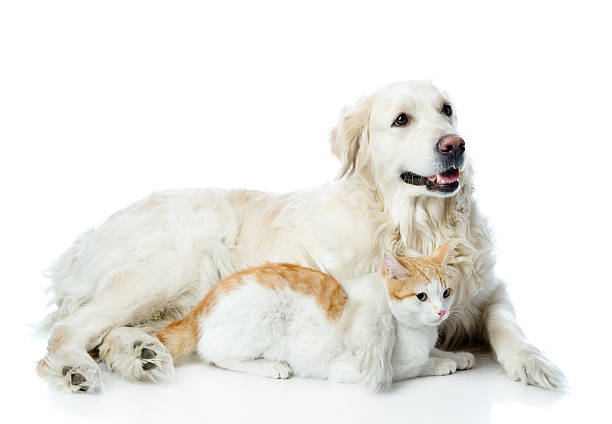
[[181, 337]]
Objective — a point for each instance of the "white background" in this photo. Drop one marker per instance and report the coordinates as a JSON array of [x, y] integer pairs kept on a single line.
[[103, 102]]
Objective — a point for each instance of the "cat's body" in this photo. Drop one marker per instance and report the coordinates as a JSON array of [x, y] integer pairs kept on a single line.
[[281, 319]]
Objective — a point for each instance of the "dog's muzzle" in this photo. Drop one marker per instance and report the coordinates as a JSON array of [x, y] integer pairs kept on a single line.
[[451, 149]]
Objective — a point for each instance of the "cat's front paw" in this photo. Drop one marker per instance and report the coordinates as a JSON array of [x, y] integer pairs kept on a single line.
[[464, 360], [532, 368], [443, 366], [280, 370]]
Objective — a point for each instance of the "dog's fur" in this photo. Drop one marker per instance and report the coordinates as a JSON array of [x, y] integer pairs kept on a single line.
[[151, 262]]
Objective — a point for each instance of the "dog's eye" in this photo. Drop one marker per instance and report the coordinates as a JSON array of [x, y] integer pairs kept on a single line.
[[446, 293], [447, 110], [401, 120], [421, 296]]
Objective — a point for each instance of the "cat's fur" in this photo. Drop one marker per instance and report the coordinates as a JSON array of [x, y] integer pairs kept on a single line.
[[278, 319]]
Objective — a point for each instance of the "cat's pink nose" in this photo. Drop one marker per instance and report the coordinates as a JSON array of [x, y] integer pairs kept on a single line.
[[441, 312]]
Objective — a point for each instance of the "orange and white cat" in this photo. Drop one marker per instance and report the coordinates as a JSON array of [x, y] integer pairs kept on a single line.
[[279, 319]]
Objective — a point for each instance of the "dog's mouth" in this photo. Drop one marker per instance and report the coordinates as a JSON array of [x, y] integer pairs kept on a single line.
[[446, 182]]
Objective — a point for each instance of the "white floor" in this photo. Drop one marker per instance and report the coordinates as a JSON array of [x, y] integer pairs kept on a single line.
[[206, 394]]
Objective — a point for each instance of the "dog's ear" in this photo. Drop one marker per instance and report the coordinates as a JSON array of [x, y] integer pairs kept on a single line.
[[350, 134]]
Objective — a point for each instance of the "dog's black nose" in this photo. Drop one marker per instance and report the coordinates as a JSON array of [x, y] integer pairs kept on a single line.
[[451, 145]]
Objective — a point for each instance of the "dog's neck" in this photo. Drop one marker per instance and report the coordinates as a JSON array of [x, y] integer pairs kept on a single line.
[[408, 225], [416, 225]]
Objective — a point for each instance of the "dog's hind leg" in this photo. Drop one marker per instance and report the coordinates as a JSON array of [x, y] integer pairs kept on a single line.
[[98, 327], [120, 303], [67, 365], [135, 354]]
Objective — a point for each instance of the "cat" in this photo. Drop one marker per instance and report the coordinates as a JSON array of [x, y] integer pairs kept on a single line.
[[278, 320]]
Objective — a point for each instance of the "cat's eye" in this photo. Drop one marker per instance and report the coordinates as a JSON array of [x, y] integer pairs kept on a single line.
[[421, 296], [446, 293], [401, 120], [447, 109]]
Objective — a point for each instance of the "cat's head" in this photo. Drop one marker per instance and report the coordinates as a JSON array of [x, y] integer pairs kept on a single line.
[[417, 288]]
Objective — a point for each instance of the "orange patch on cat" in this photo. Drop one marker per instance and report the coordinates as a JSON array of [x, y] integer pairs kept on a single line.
[[421, 272], [327, 292], [181, 337]]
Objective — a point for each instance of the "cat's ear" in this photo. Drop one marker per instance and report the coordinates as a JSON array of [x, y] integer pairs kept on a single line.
[[392, 268], [439, 255]]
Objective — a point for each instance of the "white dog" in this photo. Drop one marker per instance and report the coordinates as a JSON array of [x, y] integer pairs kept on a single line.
[[404, 186]]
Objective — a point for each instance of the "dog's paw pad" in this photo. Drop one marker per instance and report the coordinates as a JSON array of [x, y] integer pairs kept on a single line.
[[148, 366], [147, 353], [79, 379], [76, 379], [152, 355]]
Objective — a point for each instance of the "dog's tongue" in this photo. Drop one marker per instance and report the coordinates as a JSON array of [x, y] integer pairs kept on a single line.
[[446, 177]]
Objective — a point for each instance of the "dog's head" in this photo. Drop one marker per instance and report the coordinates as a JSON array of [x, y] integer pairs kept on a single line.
[[404, 134]]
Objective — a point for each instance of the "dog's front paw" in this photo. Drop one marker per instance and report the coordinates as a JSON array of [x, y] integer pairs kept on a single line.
[[71, 373], [137, 356], [532, 368], [81, 379]]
